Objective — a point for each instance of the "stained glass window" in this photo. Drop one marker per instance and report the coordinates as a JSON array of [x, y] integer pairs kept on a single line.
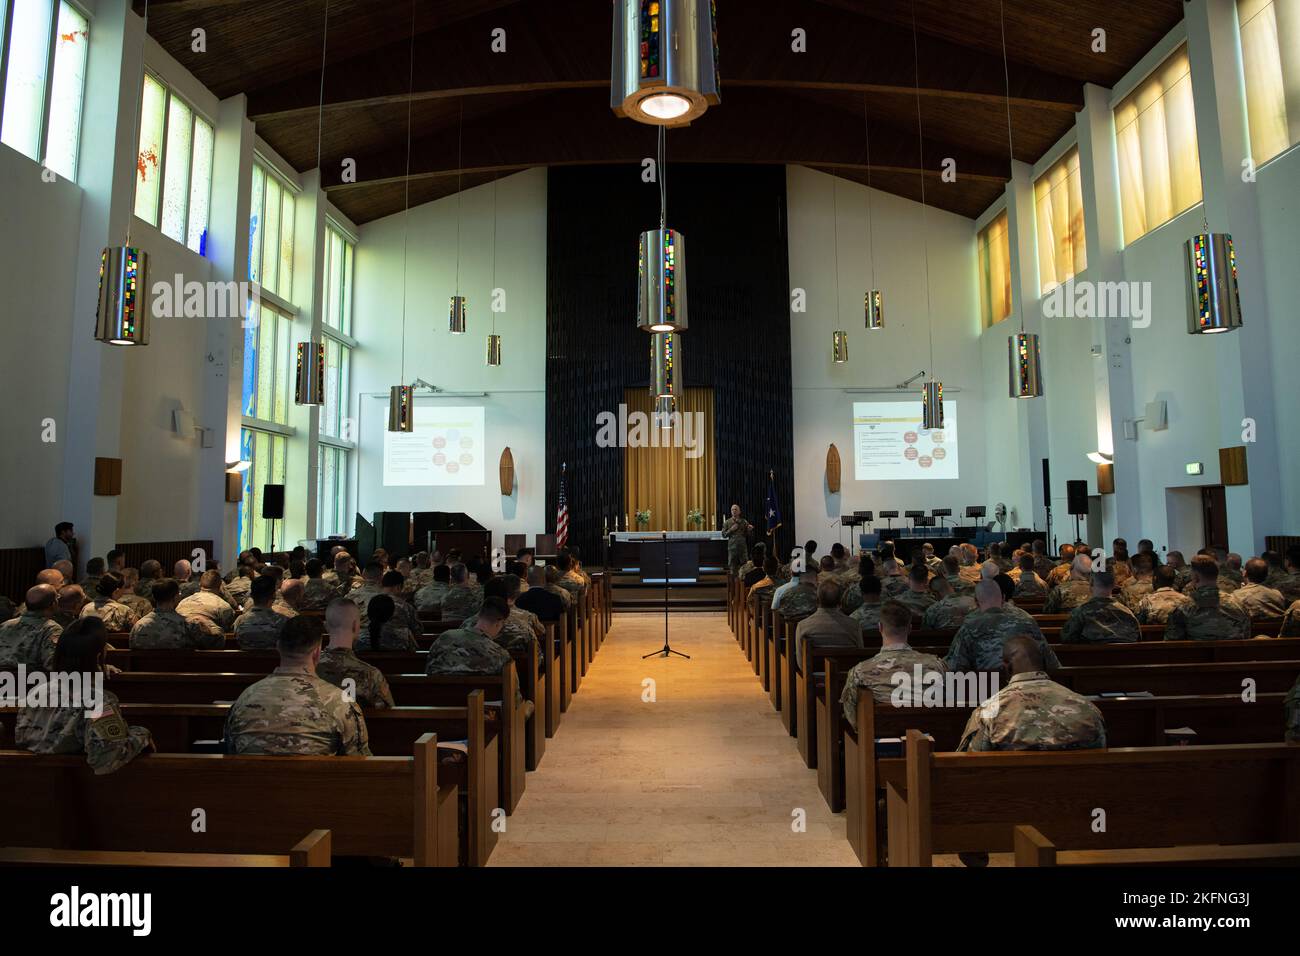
[[271, 232], [338, 280], [200, 187], [71, 40], [148, 165], [270, 237], [29, 44], [332, 491], [176, 183], [267, 452], [255, 225]]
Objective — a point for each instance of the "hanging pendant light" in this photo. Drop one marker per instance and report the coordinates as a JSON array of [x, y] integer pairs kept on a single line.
[[494, 349], [873, 303], [665, 413], [456, 315], [931, 405], [401, 398], [309, 374], [1212, 273], [494, 340], [122, 310], [661, 295], [663, 365], [665, 60], [839, 347], [122, 314], [401, 407], [1024, 363], [1024, 354]]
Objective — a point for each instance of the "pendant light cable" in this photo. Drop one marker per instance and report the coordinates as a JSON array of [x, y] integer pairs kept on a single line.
[[460, 175], [925, 235], [494, 255], [406, 213], [662, 174], [871, 237], [1011, 149], [139, 106]]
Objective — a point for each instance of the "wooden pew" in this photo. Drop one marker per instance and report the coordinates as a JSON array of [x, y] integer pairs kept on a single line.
[[846, 771], [533, 687], [418, 690], [1160, 796], [1033, 849], [311, 850], [373, 806]]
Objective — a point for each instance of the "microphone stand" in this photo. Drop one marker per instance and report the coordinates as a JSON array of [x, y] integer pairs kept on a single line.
[[666, 649]]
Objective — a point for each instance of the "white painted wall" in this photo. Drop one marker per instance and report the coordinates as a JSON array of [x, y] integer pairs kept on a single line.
[[823, 411], [515, 402]]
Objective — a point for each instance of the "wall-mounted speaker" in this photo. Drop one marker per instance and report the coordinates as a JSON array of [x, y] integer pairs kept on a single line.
[[1076, 493]]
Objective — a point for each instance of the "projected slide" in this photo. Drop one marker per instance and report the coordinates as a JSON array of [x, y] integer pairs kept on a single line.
[[889, 445], [446, 448]]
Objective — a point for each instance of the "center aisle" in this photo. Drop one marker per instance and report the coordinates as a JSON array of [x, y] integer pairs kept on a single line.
[[699, 773]]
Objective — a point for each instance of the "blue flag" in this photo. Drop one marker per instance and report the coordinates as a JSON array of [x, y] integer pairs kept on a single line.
[[773, 509]]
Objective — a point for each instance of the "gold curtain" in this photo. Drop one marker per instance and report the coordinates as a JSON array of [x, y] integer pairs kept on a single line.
[[1058, 197], [995, 271], [1270, 54], [662, 478]]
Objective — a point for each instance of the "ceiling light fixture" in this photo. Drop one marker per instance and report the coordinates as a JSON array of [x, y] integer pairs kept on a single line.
[[664, 68]]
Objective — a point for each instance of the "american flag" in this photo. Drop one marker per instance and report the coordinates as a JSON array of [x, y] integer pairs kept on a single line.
[[562, 514]]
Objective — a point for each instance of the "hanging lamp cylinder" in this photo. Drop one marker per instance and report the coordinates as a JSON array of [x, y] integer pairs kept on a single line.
[[122, 314], [1024, 365], [663, 365], [839, 347], [875, 311], [458, 315], [401, 408], [664, 68], [1212, 273], [494, 349], [661, 282], [932, 405], [309, 374]]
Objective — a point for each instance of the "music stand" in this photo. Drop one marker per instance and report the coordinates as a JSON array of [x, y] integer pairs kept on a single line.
[[941, 513], [666, 649], [889, 516], [913, 516]]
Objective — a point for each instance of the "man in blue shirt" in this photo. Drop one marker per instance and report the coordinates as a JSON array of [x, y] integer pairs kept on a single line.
[[59, 548]]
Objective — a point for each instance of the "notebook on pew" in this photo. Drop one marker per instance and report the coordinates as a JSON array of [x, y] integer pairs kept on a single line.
[[1180, 736]]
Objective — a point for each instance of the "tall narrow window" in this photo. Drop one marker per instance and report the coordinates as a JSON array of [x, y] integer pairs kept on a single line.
[[271, 230], [1155, 133], [174, 166], [995, 271], [268, 453], [1058, 202], [1270, 55]]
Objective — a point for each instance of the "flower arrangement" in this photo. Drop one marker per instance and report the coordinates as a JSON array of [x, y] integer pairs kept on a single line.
[[695, 518], [643, 518]]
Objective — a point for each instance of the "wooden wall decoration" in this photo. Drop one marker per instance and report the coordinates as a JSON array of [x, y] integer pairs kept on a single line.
[[507, 471], [1105, 479], [234, 487], [1232, 466], [833, 470], [108, 477]]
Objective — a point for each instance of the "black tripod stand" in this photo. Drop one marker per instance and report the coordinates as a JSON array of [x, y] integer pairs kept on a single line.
[[666, 649]]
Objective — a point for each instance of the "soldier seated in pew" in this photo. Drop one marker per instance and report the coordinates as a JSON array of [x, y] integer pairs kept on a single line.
[[876, 675], [339, 663], [387, 631], [1208, 619], [260, 625], [472, 650], [949, 609], [93, 724], [106, 606], [165, 628], [293, 710], [1101, 619]]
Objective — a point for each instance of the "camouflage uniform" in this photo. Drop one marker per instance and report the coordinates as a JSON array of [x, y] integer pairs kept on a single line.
[[851, 600], [1288, 584], [1068, 595], [960, 585], [140, 605], [1290, 622], [283, 608], [211, 607], [1033, 712], [107, 741], [258, 627], [400, 632], [1057, 575], [317, 594], [462, 602], [977, 645], [294, 714], [429, 597], [828, 628], [562, 593], [918, 602], [1101, 620], [875, 673], [1257, 602], [7, 609], [1182, 577], [1121, 570], [1293, 713], [1156, 607], [466, 652], [116, 617], [734, 530], [798, 603], [362, 597], [1208, 620], [1233, 575], [891, 586], [186, 588], [867, 616], [573, 580], [163, 629], [28, 639], [238, 588], [519, 630], [1030, 588], [370, 686], [1043, 566], [948, 612], [1225, 586], [1134, 591]]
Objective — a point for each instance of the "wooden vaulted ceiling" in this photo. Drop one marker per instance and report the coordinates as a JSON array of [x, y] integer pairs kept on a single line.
[[476, 114]]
